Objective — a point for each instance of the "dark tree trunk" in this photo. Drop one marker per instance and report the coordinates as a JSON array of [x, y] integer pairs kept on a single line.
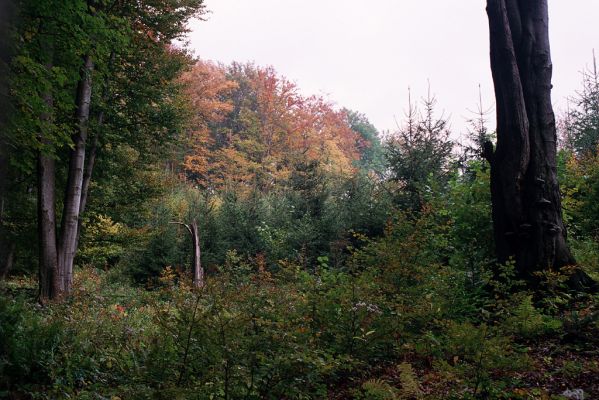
[[5, 243], [7, 13], [51, 280], [51, 276], [72, 203], [8, 261], [527, 213]]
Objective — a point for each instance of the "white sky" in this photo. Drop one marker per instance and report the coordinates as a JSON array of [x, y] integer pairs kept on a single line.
[[365, 54]]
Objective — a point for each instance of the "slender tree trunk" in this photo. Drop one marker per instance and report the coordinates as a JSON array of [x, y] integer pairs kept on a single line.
[[87, 176], [72, 204], [8, 261], [527, 213], [196, 263], [198, 271], [4, 240], [7, 246], [91, 157]]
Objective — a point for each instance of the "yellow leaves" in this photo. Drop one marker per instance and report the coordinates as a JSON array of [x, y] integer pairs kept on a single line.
[[270, 128], [168, 276], [104, 225]]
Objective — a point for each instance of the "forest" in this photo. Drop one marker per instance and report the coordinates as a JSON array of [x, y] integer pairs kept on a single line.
[[173, 227]]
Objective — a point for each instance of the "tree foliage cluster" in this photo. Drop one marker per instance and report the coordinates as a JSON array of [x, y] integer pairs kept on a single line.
[[253, 128], [88, 82], [580, 128]]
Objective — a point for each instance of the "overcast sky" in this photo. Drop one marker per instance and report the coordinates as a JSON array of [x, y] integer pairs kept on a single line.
[[365, 54]]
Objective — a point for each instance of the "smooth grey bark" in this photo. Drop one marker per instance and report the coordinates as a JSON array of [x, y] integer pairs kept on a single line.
[[87, 177], [196, 263], [198, 271], [90, 161], [70, 217], [527, 213]]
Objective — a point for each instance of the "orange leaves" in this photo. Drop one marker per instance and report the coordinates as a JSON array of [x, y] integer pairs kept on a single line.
[[251, 126], [207, 89]]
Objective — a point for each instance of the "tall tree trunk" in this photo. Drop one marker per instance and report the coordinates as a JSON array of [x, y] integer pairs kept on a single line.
[[198, 271], [91, 157], [7, 11], [4, 240], [527, 213], [51, 279], [87, 177], [51, 276], [72, 204], [8, 261]]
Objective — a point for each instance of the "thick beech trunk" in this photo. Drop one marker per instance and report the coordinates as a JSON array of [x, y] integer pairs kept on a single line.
[[51, 279], [72, 203], [527, 213], [51, 276]]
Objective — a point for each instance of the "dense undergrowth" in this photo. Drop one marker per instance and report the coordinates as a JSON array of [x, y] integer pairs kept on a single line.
[[396, 321]]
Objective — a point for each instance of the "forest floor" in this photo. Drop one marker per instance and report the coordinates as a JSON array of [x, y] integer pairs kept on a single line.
[[560, 369], [554, 366]]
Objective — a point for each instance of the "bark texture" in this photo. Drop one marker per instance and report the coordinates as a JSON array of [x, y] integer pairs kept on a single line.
[[90, 160], [70, 217], [51, 279], [527, 212], [57, 253]]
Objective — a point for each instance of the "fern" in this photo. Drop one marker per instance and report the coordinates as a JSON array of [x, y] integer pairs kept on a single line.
[[410, 389], [378, 389]]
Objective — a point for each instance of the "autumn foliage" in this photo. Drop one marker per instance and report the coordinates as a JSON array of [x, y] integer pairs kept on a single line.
[[252, 127]]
